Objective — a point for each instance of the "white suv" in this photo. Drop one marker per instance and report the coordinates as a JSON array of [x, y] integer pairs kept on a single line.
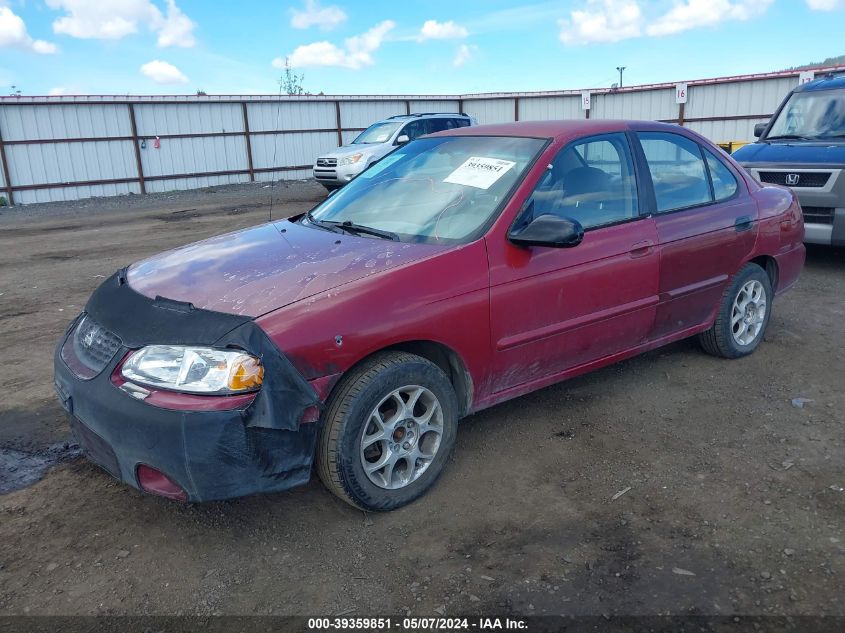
[[335, 169]]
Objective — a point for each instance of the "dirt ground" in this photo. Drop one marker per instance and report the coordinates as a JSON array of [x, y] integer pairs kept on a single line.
[[734, 501]]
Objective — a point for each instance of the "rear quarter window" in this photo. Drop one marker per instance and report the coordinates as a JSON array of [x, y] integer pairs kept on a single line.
[[724, 182]]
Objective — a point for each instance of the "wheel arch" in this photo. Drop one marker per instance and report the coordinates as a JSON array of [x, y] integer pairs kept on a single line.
[[447, 359], [770, 265]]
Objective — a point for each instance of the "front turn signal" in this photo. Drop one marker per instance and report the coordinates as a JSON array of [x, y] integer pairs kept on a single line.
[[247, 374]]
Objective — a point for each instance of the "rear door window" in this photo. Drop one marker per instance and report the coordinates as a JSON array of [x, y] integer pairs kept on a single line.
[[677, 170], [417, 128]]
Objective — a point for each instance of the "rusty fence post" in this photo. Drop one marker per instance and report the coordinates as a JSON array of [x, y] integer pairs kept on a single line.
[[6, 177], [135, 142], [249, 164], [337, 122]]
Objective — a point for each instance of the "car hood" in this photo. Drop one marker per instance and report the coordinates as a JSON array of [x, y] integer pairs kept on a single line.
[[787, 154], [258, 270]]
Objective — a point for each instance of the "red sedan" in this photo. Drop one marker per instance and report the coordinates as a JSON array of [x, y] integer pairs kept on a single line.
[[463, 269]]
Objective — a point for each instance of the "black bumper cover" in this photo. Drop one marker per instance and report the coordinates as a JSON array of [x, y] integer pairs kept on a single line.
[[210, 454]]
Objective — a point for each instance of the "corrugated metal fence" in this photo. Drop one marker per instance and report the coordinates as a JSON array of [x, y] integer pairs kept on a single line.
[[65, 148]]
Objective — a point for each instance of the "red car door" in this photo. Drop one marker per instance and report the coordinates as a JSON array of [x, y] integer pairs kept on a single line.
[[553, 309], [706, 227]]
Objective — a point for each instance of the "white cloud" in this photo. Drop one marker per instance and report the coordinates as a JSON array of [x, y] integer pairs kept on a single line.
[[463, 55], [826, 5], [602, 21], [356, 53], [163, 72], [326, 18], [65, 90], [115, 19], [697, 13], [177, 29], [13, 34], [44, 48], [614, 20], [434, 30]]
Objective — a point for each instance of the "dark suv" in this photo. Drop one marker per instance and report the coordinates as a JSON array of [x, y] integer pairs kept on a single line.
[[803, 147]]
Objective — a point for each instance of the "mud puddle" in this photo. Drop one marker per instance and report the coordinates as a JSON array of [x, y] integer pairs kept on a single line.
[[19, 469]]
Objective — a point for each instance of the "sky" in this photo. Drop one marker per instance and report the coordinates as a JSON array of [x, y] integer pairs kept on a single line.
[[375, 47]]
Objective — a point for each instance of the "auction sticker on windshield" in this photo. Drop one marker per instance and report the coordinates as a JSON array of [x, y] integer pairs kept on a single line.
[[479, 172]]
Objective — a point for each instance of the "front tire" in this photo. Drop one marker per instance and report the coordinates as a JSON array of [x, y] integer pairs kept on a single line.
[[743, 315], [388, 431]]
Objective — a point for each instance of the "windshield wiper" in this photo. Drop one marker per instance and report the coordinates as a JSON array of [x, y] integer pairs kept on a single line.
[[351, 227], [796, 137], [322, 224]]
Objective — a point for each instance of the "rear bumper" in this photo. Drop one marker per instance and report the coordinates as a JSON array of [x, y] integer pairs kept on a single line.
[[790, 264], [209, 454]]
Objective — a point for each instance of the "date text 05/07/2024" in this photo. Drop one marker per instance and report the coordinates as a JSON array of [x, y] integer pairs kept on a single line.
[[416, 624]]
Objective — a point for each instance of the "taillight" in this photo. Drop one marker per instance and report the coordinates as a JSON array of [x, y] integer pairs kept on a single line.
[[157, 483]]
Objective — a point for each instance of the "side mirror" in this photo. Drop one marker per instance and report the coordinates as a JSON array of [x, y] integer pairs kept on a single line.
[[759, 129], [548, 230], [402, 139]]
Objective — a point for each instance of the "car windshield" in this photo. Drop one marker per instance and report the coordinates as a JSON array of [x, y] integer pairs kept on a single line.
[[377, 133], [435, 190], [812, 115]]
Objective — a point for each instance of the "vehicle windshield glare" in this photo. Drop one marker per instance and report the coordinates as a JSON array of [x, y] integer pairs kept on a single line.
[[811, 115], [434, 190], [377, 133]]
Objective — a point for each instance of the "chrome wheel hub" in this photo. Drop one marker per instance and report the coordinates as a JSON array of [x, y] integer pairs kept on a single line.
[[401, 437], [749, 312]]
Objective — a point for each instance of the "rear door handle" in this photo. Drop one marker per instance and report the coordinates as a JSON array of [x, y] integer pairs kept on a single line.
[[743, 223], [641, 249]]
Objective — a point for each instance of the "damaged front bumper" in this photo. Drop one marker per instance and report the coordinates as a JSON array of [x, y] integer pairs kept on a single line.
[[215, 447]]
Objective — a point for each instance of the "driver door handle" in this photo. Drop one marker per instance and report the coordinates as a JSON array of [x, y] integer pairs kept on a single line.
[[641, 249]]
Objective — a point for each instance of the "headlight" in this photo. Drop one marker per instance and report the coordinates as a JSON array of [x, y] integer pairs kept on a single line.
[[350, 160], [194, 369]]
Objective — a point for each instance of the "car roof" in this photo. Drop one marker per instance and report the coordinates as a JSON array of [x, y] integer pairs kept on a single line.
[[828, 82], [557, 129], [420, 115]]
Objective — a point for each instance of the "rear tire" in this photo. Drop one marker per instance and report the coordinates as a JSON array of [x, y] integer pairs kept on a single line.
[[743, 315], [388, 430]]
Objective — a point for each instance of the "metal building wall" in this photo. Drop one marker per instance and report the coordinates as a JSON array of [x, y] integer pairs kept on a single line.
[[434, 105], [490, 110], [547, 108], [740, 105], [64, 148], [53, 161], [646, 104], [358, 115]]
